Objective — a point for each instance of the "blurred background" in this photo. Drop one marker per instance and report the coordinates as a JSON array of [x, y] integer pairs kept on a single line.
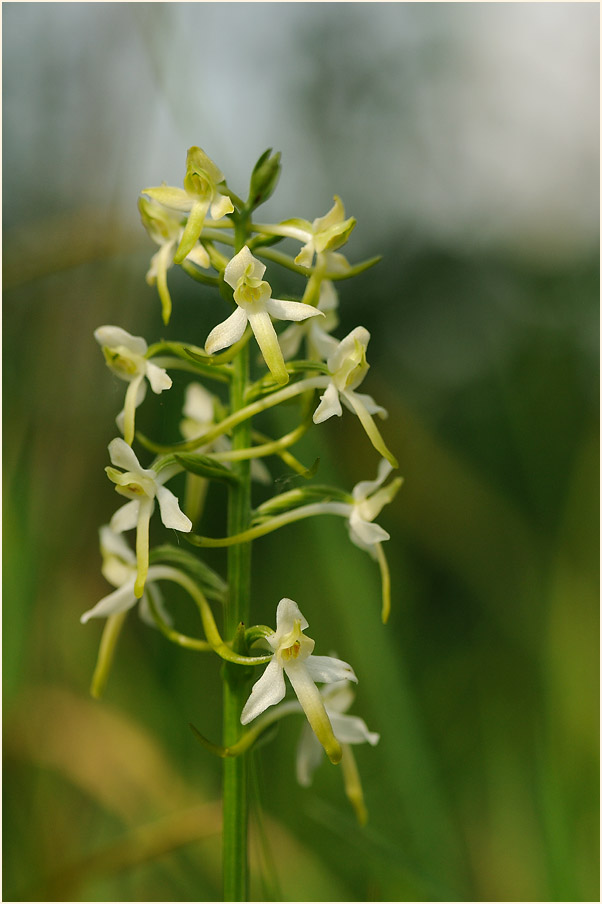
[[464, 138]]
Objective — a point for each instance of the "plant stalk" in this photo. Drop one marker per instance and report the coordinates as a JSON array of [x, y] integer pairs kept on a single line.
[[235, 799]]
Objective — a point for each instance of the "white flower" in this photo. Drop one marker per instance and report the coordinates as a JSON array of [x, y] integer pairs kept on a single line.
[[293, 656], [324, 234], [124, 355], [256, 307], [369, 498], [200, 193], [337, 699], [166, 229], [199, 416], [319, 344], [119, 568], [348, 367], [142, 486]]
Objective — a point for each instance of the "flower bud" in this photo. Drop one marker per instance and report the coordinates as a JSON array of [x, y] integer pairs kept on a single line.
[[264, 178]]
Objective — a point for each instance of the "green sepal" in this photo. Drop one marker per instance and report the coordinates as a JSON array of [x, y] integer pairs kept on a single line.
[[205, 466], [264, 178], [212, 584]]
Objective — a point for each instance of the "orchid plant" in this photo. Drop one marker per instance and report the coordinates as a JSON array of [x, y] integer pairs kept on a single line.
[[214, 237]]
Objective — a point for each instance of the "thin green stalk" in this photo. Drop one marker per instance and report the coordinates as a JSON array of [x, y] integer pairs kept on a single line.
[[235, 802]]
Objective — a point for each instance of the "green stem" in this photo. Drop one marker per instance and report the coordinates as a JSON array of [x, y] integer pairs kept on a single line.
[[235, 804]]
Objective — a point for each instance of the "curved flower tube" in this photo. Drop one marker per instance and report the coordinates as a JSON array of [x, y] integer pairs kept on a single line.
[[125, 356]]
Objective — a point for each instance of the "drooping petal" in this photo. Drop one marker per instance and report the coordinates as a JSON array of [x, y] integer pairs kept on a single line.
[[313, 707], [370, 427], [171, 514], [328, 669], [267, 340], [160, 264], [329, 406], [267, 690], [129, 408], [126, 517], [158, 377], [352, 729], [118, 601], [227, 333], [309, 756], [366, 532], [192, 230], [290, 310], [140, 396]]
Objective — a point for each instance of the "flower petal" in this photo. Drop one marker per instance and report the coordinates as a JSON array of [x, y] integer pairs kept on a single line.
[[158, 377], [309, 756], [126, 517], [199, 256], [123, 456], [192, 230], [365, 488], [287, 614], [113, 544], [290, 310], [267, 690], [352, 729], [171, 514], [368, 402], [313, 707], [221, 206], [227, 333], [267, 340], [198, 404], [290, 340], [366, 532], [329, 405], [306, 255], [328, 669], [118, 601], [114, 336], [176, 198], [237, 268]]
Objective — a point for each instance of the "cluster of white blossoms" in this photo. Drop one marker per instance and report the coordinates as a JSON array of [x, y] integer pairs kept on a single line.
[[187, 224]]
